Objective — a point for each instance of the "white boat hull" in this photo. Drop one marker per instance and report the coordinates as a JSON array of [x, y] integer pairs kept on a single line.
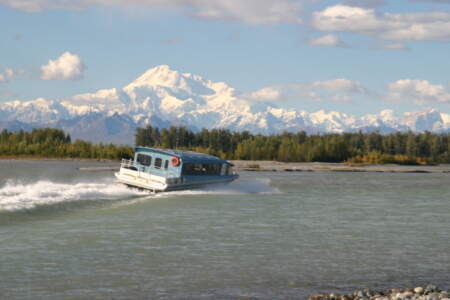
[[159, 184], [141, 180]]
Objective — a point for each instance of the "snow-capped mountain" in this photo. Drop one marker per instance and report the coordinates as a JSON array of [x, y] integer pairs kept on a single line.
[[163, 97]]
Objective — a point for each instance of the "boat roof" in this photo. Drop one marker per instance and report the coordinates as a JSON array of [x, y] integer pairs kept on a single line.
[[184, 155]]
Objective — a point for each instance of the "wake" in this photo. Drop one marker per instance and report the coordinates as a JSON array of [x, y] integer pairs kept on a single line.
[[18, 196], [241, 186], [15, 196]]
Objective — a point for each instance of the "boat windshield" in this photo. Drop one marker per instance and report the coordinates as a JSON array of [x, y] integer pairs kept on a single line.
[[145, 160]]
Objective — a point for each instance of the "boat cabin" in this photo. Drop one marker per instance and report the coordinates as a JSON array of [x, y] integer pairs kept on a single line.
[[174, 168]]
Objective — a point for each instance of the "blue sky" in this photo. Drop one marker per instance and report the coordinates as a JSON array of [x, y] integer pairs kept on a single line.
[[355, 57]]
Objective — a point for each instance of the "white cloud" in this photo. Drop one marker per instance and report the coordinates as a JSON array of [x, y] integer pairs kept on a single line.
[[418, 91], [7, 75], [341, 85], [328, 40], [339, 90], [67, 67], [101, 96], [106, 98], [249, 11], [266, 94], [431, 26], [345, 18]]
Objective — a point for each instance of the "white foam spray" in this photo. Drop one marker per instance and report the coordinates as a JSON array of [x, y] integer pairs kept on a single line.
[[17, 196]]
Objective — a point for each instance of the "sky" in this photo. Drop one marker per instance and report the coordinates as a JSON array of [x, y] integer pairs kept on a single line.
[[351, 56]]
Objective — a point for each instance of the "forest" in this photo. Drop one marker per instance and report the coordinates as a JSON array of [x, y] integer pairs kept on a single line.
[[55, 143], [401, 148]]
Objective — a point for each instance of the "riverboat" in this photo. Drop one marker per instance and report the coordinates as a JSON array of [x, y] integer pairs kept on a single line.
[[161, 170]]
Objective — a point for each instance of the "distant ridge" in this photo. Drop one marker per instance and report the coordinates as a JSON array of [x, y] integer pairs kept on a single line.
[[162, 97]]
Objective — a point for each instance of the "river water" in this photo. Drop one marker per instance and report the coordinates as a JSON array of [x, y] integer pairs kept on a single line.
[[71, 234]]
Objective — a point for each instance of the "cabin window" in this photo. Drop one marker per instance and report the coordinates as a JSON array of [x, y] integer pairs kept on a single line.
[[145, 160], [158, 163], [224, 169], [166, 164], [213, 169], [230, 170], [201, 169]]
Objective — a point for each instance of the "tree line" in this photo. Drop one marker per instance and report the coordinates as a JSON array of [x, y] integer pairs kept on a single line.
[[402, 148], [55, 143]]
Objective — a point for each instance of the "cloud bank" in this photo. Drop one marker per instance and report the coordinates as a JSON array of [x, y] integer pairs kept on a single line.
[[236, 11], [420, 92], [337, 90], [408, 91], [429, 26]]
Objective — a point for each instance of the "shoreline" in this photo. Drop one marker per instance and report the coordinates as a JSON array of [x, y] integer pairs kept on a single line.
[[274, 166], [269, 166], [430, 292]]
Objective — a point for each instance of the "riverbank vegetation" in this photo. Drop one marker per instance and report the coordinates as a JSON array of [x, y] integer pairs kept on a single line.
[[55, 143], [372, 148]]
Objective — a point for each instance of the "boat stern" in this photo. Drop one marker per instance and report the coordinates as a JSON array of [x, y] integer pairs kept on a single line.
[[134, 177]]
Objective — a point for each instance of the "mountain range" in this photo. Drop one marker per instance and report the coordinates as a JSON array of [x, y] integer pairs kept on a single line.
[[163, 97]]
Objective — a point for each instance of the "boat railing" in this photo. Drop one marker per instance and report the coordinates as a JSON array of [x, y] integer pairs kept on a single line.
[[127, 163]]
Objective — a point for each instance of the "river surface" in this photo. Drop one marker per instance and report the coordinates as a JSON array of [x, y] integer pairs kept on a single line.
[[71, 234]]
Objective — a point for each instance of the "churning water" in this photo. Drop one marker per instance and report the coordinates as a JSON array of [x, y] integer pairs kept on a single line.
[[70, 234]]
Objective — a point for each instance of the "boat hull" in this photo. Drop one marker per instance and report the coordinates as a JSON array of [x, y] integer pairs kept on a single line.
[[157, 184], [196, 185], [141, 180]]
